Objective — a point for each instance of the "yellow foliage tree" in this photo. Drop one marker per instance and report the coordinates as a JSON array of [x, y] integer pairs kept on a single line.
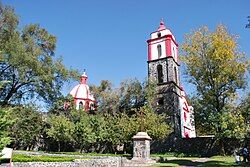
[[217, 68]]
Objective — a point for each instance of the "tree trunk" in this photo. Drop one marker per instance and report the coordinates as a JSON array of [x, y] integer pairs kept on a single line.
[[9, 95], [104, 147], [59, 146], [222, 146], [81, 148]]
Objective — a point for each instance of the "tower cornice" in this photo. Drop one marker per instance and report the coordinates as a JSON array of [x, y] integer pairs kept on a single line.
[[163, 37], [169, 57]]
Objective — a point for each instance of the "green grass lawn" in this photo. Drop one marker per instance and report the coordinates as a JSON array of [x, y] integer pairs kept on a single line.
[[67, 156], [42, 158]]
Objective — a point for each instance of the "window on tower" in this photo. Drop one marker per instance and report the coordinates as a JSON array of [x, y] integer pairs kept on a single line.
[[159, 34], [159, 50], [160, 74]]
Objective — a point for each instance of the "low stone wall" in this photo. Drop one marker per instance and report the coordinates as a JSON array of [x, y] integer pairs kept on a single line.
[[106, 162], [80, 161], [103, 162]]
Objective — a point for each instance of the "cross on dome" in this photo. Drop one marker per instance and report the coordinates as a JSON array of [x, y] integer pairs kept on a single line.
[[84, 77]]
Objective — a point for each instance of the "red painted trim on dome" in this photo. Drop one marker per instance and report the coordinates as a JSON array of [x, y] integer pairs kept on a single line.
[[86, 105], [85, 99], [77, 91]]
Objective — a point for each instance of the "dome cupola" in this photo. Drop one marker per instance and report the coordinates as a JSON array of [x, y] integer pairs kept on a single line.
[[82, 96]]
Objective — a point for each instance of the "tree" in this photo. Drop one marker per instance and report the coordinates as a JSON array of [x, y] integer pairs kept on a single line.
[[27, 127], [217, 68], [154, 124], [132, 95], [107, 98], [60, 129], [90, 131], [244, 108], [4, 124], [121, 112], [27, 61]]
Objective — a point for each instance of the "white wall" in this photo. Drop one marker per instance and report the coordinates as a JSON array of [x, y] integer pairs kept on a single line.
[[154, 50]]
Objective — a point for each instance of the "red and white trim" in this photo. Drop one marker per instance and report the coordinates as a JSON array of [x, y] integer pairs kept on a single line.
[[165, 38], [81, 94]]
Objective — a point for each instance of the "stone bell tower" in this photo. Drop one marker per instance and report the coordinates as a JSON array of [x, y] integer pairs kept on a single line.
[[163, 67]]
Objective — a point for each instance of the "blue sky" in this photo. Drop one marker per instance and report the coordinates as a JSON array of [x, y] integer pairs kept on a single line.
[[108, 38]]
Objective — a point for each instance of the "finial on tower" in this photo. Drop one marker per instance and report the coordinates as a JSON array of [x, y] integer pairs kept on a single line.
[[162, 21], [84, 73], [162, 26]]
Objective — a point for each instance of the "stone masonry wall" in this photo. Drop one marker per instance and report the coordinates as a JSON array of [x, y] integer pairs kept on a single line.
[[168, 90], [80, 161], [105, 162]]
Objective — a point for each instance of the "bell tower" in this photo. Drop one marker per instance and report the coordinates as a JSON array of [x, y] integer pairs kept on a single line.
[[163, 67]]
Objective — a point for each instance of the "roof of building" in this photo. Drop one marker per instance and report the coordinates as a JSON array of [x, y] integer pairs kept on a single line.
[[81, 91]]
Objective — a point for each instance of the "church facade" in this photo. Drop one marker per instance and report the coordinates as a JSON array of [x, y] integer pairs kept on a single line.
[[163, 67]]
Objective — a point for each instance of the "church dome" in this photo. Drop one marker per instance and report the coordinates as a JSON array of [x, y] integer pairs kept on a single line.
[[81, 91], [82, 95]]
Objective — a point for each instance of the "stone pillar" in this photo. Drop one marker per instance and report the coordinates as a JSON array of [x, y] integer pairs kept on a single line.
[[141, 147]]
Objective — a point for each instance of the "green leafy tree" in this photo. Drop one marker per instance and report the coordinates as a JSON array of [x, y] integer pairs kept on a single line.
[[132, 95], [4, 124], [89, 130], [217, 68], [154, 124], [60, 129], [107, 98], [129, 97], [244, 108], [27, 61], [27, 127], [232, 124], [119, 117], [119, 131]]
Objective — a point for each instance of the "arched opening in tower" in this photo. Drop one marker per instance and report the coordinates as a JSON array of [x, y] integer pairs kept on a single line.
[[159, 50], [160, 74]]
